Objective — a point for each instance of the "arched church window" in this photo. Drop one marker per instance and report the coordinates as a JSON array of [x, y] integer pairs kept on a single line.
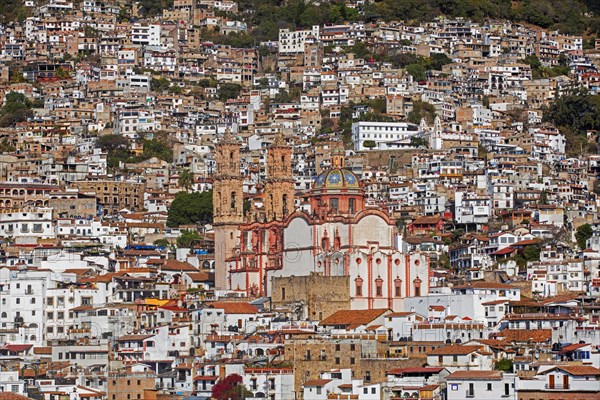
[[233, 200], [379, 287], [285, 205], [398, 287], [358, 282]]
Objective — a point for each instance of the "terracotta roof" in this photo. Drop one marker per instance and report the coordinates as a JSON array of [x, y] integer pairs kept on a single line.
[[353, 317], [201, 276], [400, 314], [453, 350], [42, 350], [573, 347], [475, 375], [317, 382], [12, 396], [234, 307], [580, 370], [174, 265], [133, 338], [525, 335]]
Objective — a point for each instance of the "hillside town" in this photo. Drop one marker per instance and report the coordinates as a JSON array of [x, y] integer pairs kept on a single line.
[[363, 210]]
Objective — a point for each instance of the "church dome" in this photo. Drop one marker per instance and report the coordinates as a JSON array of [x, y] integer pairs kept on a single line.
[[336, 178]]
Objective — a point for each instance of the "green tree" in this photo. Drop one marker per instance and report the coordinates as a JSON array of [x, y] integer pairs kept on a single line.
[[422, 109], [162, 243], [16, 108], [504, 364], [62, 73], [156, 147], [228, 91], [419, 142], [187, 238], [532, 253], [160, 85], [582, 234], [369, 144], [417, 71], [190, 208], [438, 60], [186, 179], [578, 110]]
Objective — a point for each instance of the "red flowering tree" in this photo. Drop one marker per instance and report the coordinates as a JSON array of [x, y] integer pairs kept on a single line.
[[230, 388]]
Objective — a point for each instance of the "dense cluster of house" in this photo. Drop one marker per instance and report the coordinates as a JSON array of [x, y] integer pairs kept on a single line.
[[447, 254]]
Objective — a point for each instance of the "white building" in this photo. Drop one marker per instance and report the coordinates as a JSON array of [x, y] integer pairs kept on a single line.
[[386, 135], [294, 41], [484, 385], [148, 35], [26, 224]]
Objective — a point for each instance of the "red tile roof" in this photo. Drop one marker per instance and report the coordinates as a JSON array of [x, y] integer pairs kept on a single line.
[[234, 307], [353, 317], [317, 382], [453, 350]]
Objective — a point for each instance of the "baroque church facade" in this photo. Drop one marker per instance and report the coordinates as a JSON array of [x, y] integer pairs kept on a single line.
[[332, 233]]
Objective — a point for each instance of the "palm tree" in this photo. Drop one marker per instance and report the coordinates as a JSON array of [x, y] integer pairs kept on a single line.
[[186, 179]]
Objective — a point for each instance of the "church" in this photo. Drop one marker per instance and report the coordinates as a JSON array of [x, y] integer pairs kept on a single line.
[[333, 233]]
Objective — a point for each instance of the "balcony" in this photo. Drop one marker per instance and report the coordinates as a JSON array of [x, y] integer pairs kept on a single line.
[[557, 386]]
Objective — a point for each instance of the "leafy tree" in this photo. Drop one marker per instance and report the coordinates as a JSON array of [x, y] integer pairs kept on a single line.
[[62, 74], [419, 142], [190, 208], [582, 234], [187, 238], [417, 71], [228, 91], [438, 60], [16, 108], [160, 85], [504, 364], [158, 148], [116, 147], [230, 388], [162, 243], [422, 109], [532, 253], [369, 144], [186, 179]]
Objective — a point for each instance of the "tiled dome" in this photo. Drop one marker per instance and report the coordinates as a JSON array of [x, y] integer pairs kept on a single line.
[[337, 178]]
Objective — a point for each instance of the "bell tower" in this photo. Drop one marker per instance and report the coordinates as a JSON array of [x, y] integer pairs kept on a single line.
[[279, 186], [228, 200]]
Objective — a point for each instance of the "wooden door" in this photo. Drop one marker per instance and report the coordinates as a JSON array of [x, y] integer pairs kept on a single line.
[[565, 381], [551, 382]]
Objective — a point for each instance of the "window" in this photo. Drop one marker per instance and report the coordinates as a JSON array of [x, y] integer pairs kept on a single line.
[[352, 360], [358, 283], [379, 287], [351, 206], [334, 203], [398, 287], [353, 347], [489, 386]]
